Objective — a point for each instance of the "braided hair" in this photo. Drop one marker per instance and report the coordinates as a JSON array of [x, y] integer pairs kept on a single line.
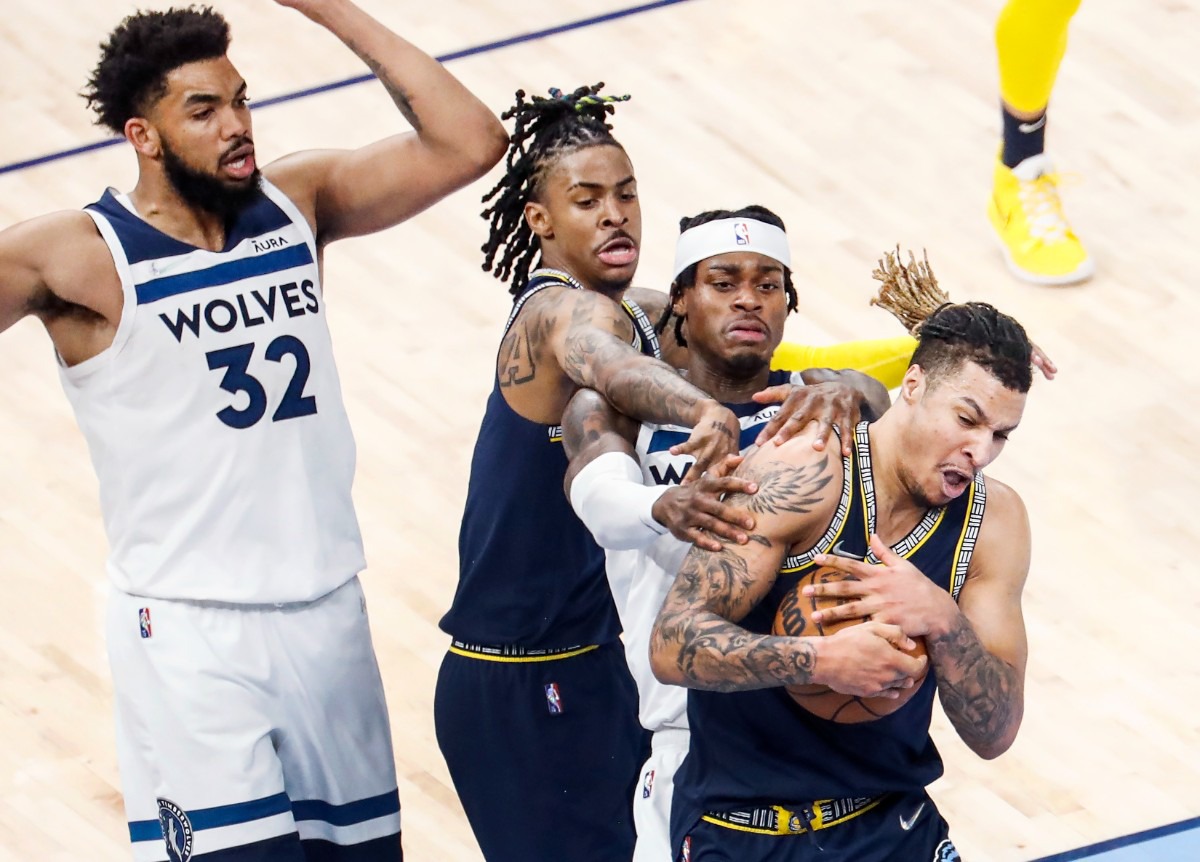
[[544, 131], [975, 332], [687, 278], [949, 333]]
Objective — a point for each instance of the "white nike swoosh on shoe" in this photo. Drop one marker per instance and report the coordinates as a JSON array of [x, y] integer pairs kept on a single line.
[[1026, 128], [907, 823]]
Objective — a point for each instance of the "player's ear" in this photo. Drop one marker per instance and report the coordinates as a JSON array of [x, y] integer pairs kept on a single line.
[[143, 136], [537, 216], [914, 384], [679, 302]]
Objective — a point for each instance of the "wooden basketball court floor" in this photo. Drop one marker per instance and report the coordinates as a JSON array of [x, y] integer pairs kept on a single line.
[[864, 125]]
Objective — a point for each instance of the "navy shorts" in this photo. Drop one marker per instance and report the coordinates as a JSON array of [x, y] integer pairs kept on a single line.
[[544, 754], [904, 827]]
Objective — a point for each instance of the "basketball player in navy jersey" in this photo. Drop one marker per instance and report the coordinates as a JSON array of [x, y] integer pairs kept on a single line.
[[948, 553], [536, 712], [188, 316], [733, 290]]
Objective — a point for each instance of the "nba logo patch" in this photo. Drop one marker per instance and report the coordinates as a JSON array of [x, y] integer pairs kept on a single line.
[[176, 829], [741, 233], [553, 699], [648, 784], [685, 855], [144, 621]]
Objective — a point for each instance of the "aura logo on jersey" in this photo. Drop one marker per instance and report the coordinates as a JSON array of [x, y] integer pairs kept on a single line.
[[176, 829], [248, 309]]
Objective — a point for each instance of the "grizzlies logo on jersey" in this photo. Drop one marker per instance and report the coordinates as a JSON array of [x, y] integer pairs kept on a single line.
[[946, 852]]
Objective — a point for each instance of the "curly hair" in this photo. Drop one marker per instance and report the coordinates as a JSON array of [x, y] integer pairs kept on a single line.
[[138, 55], [687, 278], [545, 130]]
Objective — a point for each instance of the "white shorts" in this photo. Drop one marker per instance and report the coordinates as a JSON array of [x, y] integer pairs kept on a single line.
[[652, 797], [245, 724]]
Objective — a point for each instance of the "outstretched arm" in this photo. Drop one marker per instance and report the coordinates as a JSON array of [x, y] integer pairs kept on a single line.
[[455, 138], [591, 343], [697, 641]]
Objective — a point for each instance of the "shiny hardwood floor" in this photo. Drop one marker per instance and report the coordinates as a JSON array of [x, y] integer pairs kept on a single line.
[[863, 125]]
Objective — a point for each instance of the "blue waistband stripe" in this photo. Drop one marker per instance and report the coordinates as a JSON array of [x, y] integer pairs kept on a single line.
[[223, 273]]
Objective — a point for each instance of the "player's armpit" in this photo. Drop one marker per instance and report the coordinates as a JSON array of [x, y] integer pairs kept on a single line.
[[46, 263]]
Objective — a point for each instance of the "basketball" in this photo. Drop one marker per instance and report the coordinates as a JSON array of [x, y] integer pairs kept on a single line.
[[794, 617]]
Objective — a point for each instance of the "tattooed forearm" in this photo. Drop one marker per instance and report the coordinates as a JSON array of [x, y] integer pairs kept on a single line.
[[982, 695], [704, 649], [638, 386], [783, 487]]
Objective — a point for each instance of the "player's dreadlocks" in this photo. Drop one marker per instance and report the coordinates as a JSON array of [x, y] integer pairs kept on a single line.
[[949, 333], [545, 130], [687, 278]]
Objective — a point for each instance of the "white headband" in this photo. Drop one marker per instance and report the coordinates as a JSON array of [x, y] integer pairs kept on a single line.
[[732, 234]]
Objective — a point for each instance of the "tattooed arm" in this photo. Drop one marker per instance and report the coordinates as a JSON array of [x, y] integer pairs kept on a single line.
[[623, 511], [455, 138], [589, 336], [980, 657], [697, 641]]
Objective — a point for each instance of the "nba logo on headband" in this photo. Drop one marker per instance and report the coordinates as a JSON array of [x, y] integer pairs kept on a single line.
[[741, 233]]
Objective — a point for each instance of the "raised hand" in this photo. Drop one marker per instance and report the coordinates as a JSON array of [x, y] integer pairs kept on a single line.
[[1043, 363]]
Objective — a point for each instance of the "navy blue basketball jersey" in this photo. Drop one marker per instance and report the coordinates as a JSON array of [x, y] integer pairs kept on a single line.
[[757, 748], [530, 573]]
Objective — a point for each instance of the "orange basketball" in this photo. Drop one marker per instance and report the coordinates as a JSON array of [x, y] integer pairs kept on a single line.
[[794, 617]]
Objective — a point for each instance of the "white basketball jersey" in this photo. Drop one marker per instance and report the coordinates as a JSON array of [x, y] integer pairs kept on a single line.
[[215, 420], [640, 580]]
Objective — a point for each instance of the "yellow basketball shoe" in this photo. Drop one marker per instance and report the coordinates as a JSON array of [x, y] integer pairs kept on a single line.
[[1039, 246]]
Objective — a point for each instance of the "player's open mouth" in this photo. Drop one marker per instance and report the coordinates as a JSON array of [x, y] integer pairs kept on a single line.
[[619, 251], [954, 482], [240, 163]]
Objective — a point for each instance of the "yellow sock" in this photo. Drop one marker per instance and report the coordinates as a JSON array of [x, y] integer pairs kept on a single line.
[[885, 359], [1031, 39]]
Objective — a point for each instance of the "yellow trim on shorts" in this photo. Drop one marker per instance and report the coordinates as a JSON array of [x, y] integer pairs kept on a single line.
[[523, 659]]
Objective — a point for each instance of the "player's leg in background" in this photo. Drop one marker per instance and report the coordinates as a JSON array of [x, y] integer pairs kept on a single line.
[[334, 738], [199, 771], [544, 755], [652, 795], [1038, 243]]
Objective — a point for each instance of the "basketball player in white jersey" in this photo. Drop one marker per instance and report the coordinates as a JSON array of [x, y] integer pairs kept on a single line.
[[188, 316], [733, 290]]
